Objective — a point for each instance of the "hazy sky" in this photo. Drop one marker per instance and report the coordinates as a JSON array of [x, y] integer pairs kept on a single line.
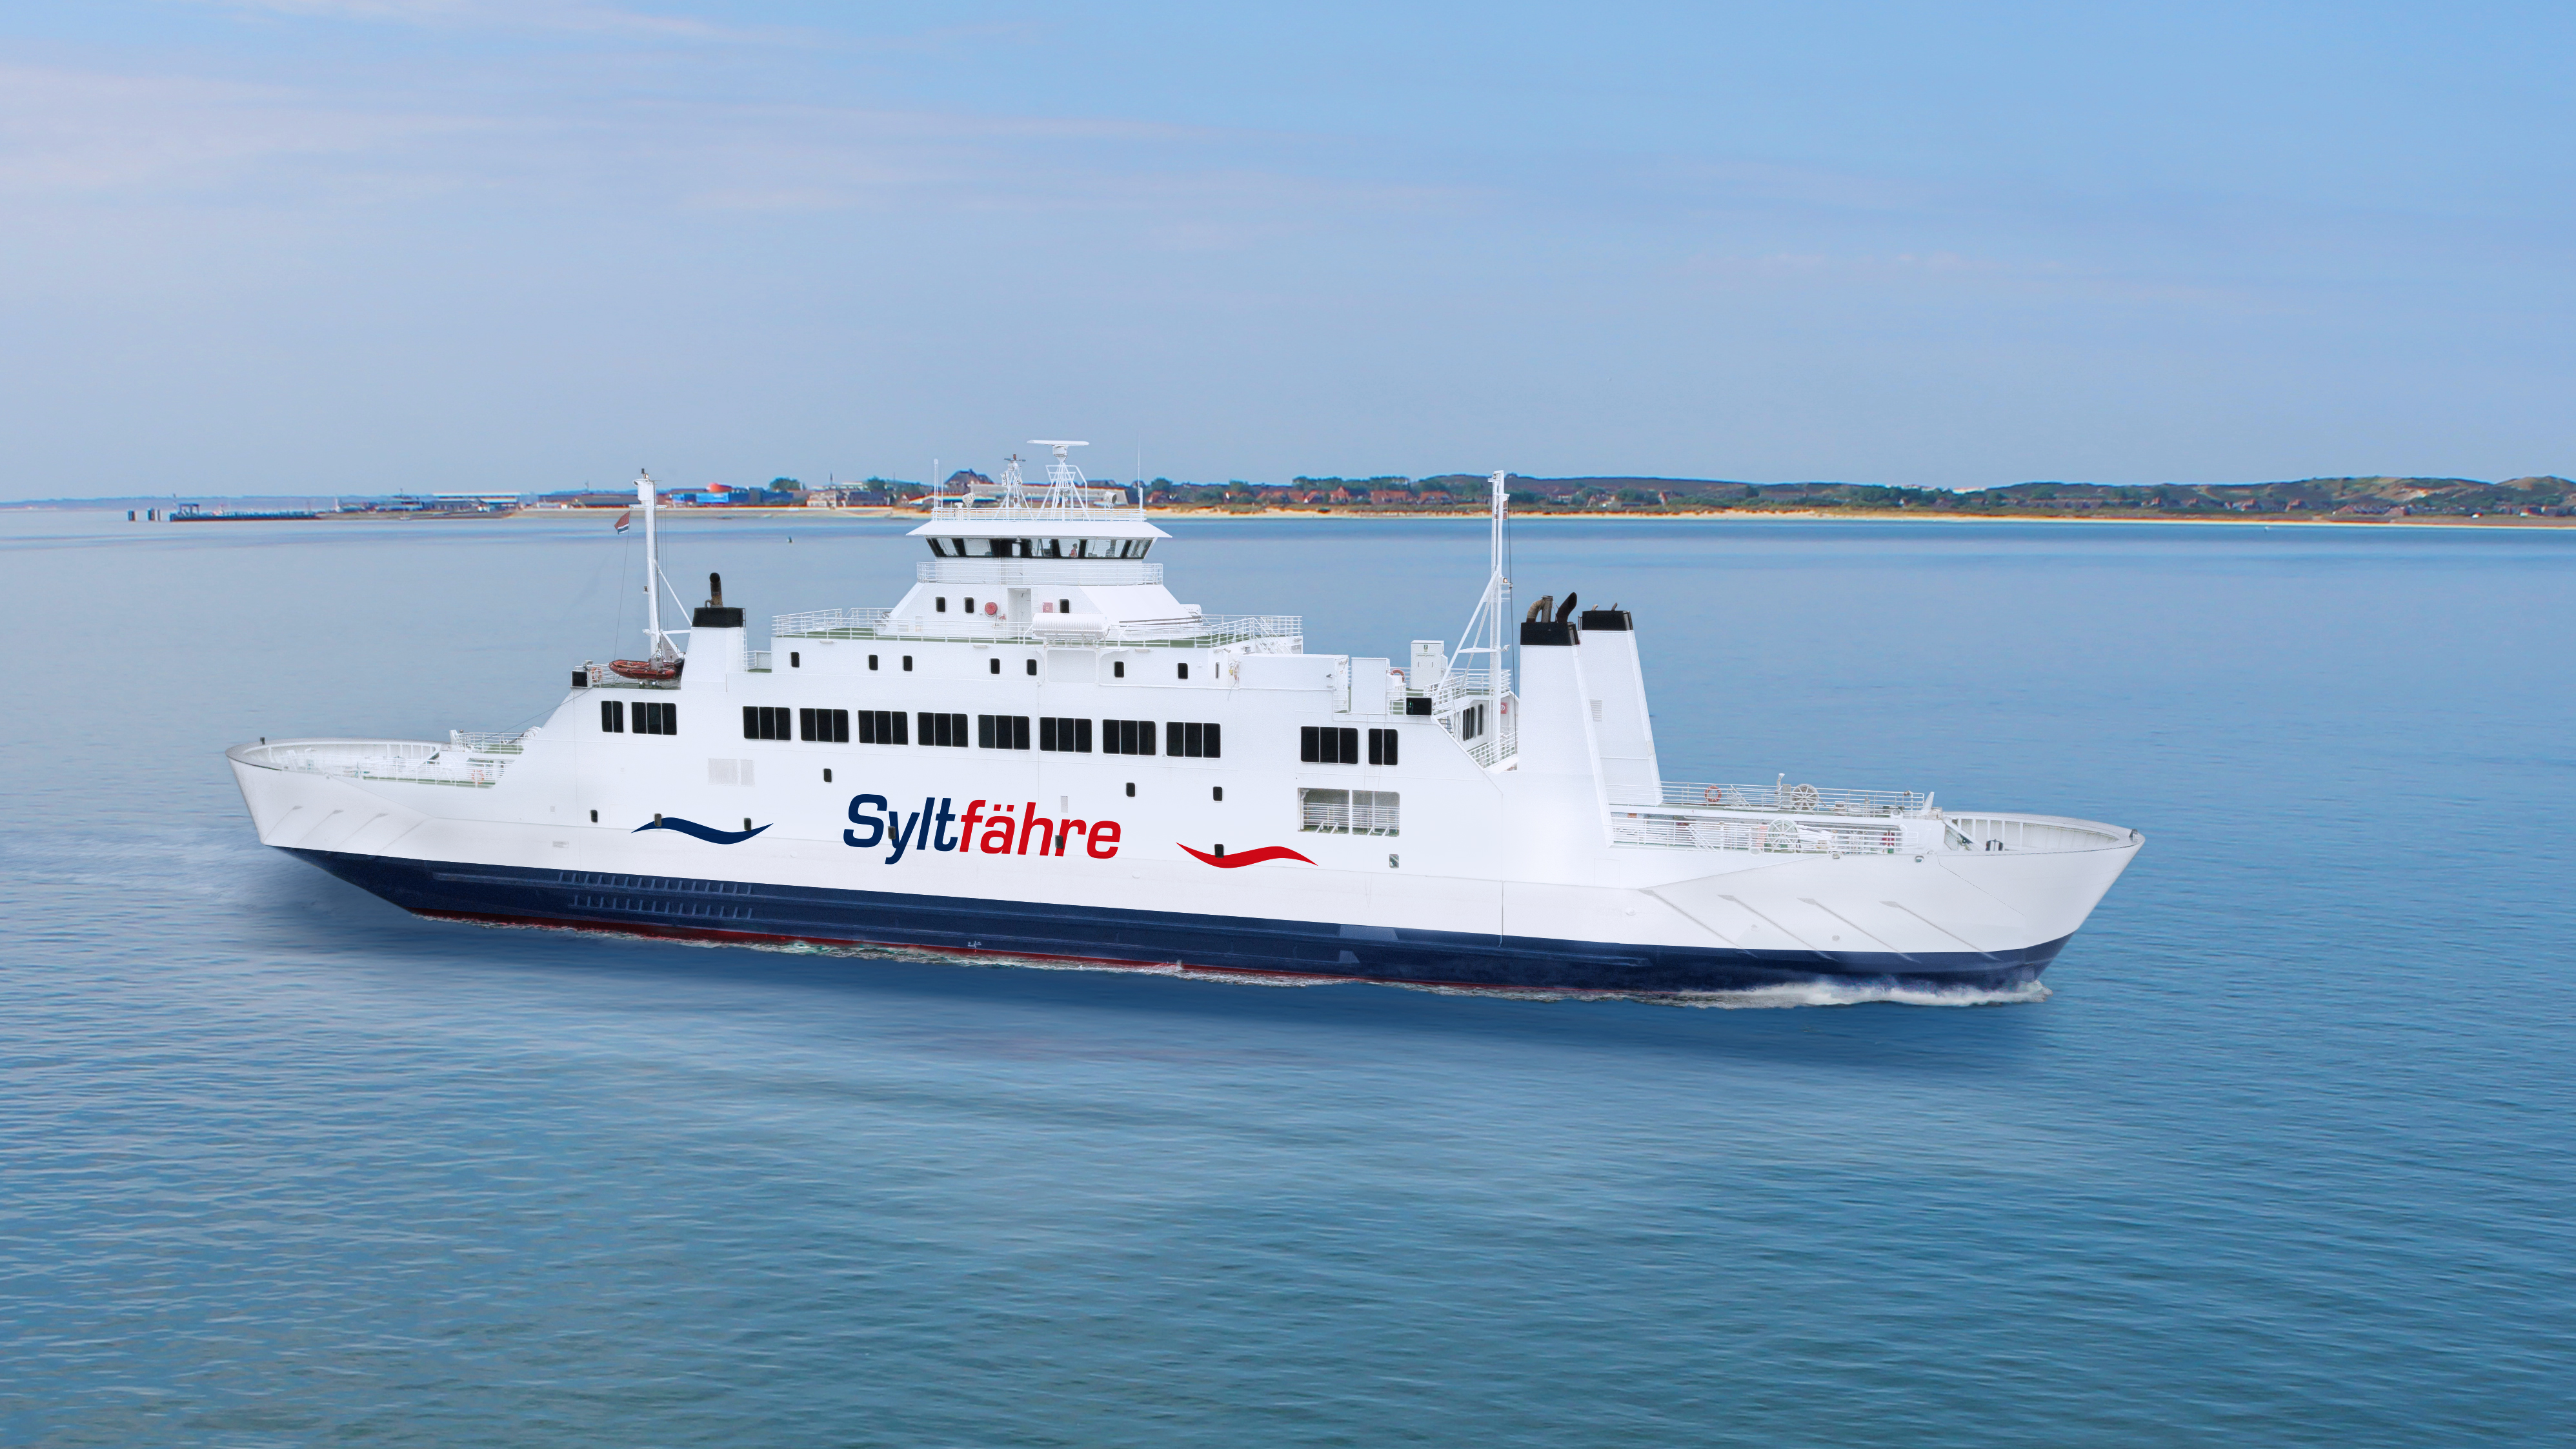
[[363, 245]]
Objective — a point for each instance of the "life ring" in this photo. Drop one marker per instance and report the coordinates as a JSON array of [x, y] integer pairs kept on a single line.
[[1714, 795]]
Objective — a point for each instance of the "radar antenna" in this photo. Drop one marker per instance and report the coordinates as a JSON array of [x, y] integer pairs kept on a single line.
[[1065, 483]]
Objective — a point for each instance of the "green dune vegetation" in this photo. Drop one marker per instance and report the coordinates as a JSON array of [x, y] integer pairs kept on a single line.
[[2346, 498]]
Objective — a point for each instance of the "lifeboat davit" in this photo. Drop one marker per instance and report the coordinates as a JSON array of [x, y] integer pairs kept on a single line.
[[648, 669]]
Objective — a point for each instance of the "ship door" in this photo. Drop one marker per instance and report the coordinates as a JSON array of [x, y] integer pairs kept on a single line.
[[1020, 612]]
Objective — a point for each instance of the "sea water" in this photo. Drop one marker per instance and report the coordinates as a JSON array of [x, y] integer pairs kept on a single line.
[[2280, 1155]]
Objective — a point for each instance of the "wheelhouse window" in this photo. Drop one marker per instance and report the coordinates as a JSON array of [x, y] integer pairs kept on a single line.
[[764, 722], [943, 731], [1381, 747], [823, 726], [1002, 731], [882, 727], [1039, 547], [612, 716], [652, 717]]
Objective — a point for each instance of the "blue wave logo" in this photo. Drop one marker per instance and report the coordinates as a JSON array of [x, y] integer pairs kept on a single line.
[[707, 833]]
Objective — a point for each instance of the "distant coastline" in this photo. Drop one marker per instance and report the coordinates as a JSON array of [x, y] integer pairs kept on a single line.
[[2538, 501], [692, 516]]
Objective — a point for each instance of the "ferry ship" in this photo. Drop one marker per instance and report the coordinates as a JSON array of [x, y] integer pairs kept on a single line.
[[1039, 752]]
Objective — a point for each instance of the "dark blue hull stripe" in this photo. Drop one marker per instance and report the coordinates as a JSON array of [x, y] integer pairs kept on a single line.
[[680, 906]]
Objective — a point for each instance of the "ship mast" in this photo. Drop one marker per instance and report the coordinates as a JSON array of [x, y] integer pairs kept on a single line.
[[1485, 632], [662, 649]]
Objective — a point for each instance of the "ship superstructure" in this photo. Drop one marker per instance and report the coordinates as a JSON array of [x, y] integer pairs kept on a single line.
[[1040, 751]]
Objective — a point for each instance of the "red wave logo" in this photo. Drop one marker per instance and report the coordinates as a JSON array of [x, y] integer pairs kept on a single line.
[[1249, 857]]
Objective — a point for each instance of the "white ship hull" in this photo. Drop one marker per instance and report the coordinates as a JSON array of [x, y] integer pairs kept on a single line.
[[1533, 847]]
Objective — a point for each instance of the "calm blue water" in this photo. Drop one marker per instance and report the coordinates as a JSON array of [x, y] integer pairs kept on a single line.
[[2283, 1159]]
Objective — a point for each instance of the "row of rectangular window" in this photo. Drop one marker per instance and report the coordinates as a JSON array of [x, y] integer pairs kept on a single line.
[[1040, 547], [1182, 739], [1334, 745], [1126, 737], [1071, 736], [652, 717]]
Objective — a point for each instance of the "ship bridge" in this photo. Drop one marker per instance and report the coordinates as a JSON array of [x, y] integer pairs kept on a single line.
[[1062, 564]]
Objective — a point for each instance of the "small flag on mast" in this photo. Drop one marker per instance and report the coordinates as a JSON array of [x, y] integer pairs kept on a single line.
[[624, 519]]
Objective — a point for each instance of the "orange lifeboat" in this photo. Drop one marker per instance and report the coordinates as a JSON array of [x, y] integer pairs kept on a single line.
[[648, 669]]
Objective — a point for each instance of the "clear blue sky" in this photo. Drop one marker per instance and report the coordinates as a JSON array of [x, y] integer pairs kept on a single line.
[[360, 245]]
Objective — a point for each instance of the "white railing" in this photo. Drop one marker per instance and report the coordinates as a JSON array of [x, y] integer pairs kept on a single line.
[[1464, 686], [2006, 833], [1244, 628], [1181, 630], [1093, 501], [831, 623], [486, 743], [1795, 799], [1788, 837], [1500, 737], [1351, 812], [1498, 741], [1889, 834], [416, 762]]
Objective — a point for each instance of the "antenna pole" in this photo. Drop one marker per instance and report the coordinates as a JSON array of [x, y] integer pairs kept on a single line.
[[652, 568], [1504, 628]]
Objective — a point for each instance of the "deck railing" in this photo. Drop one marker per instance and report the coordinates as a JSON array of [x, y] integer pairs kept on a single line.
[[1465, 686], [1795, 799], [1195, 631], [1780, 836], [416, 762], [487, 742], [2011, 834]]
